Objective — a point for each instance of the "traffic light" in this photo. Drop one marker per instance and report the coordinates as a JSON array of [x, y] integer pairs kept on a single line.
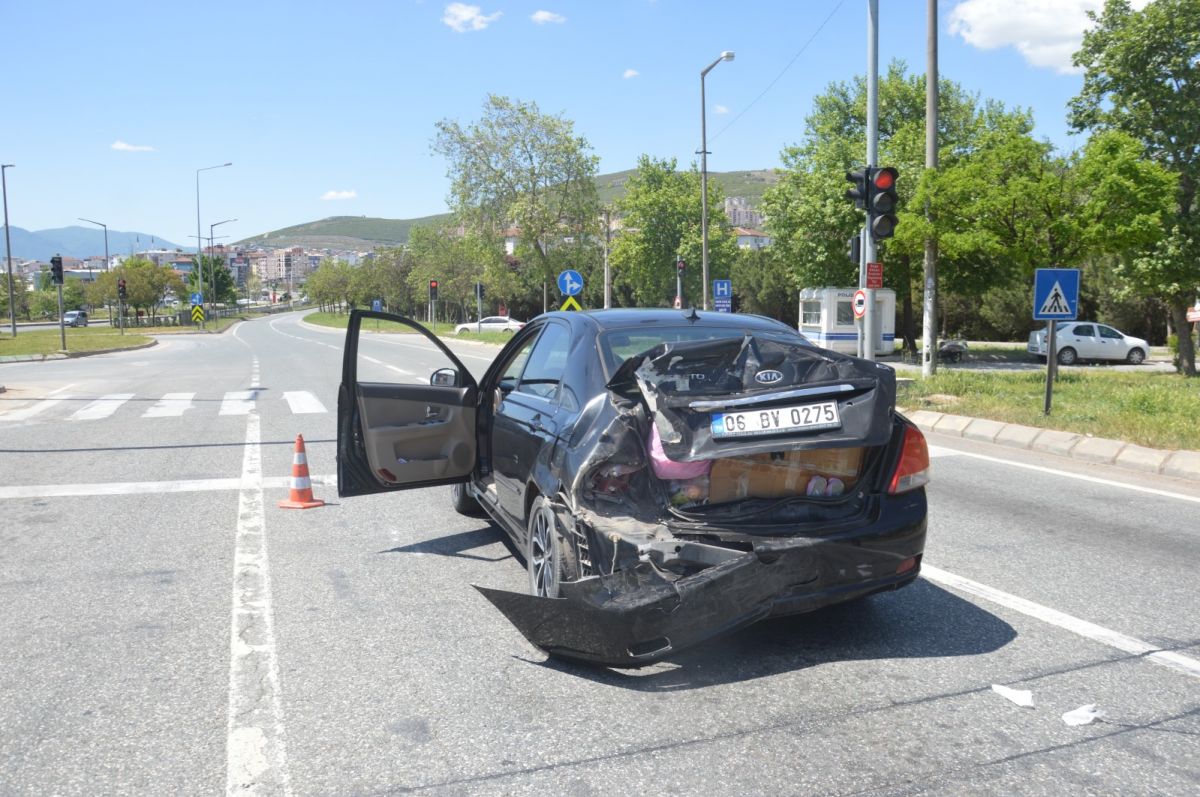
[[433, 290], [479, 291], [883, 202], [861, 190], [121, 288], [855, 250], [681, 266], [56, 272]]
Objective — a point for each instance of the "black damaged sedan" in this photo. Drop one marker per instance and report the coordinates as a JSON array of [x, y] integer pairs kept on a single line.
[[668, 476]]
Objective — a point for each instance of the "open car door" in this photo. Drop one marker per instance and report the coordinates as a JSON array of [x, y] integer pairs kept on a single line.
[[397, 436]]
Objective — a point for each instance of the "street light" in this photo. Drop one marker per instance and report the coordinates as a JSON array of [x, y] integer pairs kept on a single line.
[[12, 308], [121, 308], [725, 56], [199, 240], [212, 266]]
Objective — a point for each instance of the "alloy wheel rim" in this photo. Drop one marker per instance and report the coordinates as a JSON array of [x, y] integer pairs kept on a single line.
[[542, 556]]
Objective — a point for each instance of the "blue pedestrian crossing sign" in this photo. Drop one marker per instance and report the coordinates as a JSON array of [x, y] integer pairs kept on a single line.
[[197, 298], [570, 282], [1055, 294], [377, 305]]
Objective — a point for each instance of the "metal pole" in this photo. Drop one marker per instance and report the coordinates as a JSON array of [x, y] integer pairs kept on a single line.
[[703, 201], [867, 334], [12, 307], [199, 248], [62, 327], [478, 310], [607, 271], [929, 306], [679, 288], [1051, 365]]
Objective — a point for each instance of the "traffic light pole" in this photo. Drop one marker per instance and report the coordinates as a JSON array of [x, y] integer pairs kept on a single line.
[[867, 327], [62, 327], [929, 305]]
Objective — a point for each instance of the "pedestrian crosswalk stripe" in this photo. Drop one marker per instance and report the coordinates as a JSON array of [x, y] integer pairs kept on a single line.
[[303, 402], [101, 407], [25, 413], [238, 402], [171, 405]]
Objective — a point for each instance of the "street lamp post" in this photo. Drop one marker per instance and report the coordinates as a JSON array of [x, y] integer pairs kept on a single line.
[[199, 240], [725, 56], [212, 266], [120, 304], [12, 307]]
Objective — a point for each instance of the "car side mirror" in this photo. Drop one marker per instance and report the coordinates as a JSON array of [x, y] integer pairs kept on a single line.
[[444, 377], [507, 386]]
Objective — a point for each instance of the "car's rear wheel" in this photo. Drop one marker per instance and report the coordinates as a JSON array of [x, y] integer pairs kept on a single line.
[[1067, 356], [1136, 357], [549, 557], [464, 502]]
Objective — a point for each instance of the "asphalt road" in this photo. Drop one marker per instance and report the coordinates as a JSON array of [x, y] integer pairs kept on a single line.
[[168, 629]]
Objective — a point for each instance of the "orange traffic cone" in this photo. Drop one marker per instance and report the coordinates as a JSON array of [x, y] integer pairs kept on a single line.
[[300, 494]]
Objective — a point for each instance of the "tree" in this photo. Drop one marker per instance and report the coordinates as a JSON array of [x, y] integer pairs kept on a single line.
[[147, 285], [661, 216], [1141, 73], [517, 167], [219, 285], [20, 292], [253, 285]]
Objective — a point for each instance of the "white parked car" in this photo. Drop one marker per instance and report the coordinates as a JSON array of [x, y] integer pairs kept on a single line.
[[1087, 340], [493, 323]]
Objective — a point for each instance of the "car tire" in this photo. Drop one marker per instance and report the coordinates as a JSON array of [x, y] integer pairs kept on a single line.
[[1067, 356], [464, 502], [549, 557], [1136, 357]]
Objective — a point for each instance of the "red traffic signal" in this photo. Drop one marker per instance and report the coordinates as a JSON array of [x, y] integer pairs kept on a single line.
[[884, 178], [433, 284]]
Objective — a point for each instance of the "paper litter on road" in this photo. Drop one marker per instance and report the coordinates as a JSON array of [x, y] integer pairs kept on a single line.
[[1022, 697], [1082, 715]]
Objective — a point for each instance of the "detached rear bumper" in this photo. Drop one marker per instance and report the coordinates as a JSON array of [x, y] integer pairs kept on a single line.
[[636, 616]]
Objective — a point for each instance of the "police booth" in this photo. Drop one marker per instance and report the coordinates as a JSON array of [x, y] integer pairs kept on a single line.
[[827, 319]]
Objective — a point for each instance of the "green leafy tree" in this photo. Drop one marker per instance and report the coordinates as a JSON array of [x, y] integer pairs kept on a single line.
[[1141, 73], [219, 285], [518, 167], [661, 216], [762, 282], [20, 291]]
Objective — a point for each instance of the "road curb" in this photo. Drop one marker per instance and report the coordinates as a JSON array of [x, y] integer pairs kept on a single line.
[[1084, 448], [71, 355]]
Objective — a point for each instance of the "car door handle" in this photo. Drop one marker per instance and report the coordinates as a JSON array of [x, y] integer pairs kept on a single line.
[[536, 422]]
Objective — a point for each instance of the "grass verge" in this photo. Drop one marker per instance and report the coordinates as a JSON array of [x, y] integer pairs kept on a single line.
[[1150, 409], [47, 341], [442, 330]]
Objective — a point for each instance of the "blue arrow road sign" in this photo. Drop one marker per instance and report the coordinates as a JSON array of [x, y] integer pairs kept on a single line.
[[570, 282], [1055, 294], [722, 289], [197, 298]]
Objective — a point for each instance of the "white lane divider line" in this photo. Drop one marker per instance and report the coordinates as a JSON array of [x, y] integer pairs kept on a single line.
[[149, 488], [25, 413], [238, 402], [297, 337], [1081, 477], [303, 402], [101, 407], [1105, 636], [942, 451], [171, 405], [256, 758]]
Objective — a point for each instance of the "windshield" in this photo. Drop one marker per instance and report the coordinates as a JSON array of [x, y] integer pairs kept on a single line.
[[619, 345]]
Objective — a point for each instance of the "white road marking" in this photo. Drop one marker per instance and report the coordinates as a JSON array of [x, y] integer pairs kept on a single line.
[[146, 488], [1081, 477], [256, 757], [942, 451], [1088, 630], [297, 337], [25, 413], [303, 402], [238, 402], [101, 407], [171, 405], [61, 389]]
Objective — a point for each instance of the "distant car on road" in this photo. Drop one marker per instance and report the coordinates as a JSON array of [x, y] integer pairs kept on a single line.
[[1078, 341], [495, 323], [75, 318]]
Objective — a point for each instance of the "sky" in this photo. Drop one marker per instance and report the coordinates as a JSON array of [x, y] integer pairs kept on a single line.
[[328, 109]]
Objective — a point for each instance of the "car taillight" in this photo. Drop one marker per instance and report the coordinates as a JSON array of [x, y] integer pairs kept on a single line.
[[913, 469]]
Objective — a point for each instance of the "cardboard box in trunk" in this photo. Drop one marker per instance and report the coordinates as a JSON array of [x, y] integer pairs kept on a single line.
[[780, 474]]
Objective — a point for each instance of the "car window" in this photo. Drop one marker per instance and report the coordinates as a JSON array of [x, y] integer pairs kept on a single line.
[[516, 363], [493, 320], [546, 363], [1109, 332], [1085, 331]]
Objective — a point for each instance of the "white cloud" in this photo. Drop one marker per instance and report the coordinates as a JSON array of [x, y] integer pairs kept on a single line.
[[351, 194], [121, 146], [544, 17], [628, 73], [1046, 32], [720, 109], [462, 17]]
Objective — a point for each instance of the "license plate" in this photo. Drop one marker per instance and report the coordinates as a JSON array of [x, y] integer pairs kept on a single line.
[[777, 420]]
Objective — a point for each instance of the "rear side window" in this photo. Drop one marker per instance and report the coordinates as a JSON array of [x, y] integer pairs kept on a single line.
[[1085, 331], [546, 364]]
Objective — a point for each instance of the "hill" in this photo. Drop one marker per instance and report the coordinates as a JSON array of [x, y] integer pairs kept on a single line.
[[76, 241], [365, 232]]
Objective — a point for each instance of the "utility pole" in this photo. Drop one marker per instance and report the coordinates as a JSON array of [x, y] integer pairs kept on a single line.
[[607, 272], [867, 326], [929, 306]]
